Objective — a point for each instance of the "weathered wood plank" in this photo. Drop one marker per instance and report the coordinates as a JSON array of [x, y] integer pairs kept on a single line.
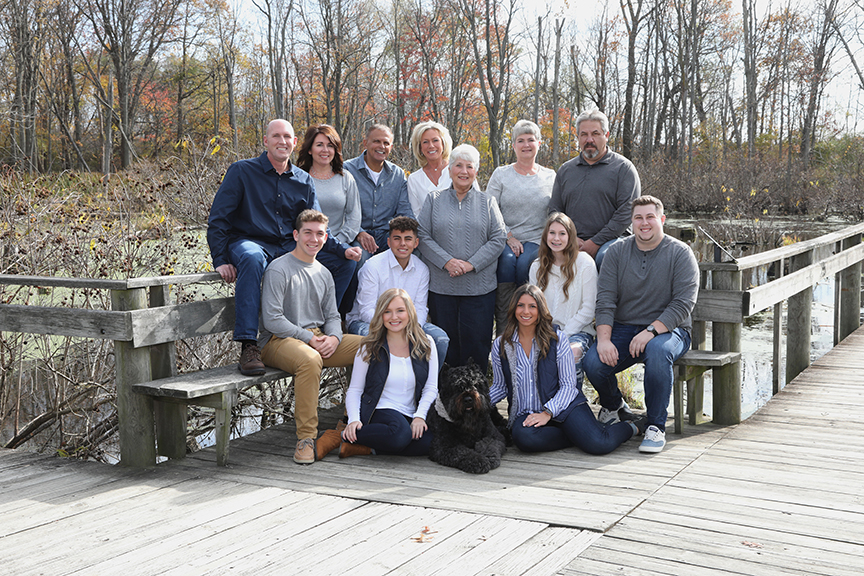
[[106, 324], [108, 284], [720, 306], [205, 382], [180, 321]]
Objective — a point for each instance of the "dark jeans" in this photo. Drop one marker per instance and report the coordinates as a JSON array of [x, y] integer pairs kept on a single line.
[[389, 432], [250, 259], [659, 355], [467, 320], [580, 429], [512, 268]]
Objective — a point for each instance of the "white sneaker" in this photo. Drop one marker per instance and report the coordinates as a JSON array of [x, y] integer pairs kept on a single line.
[[654, 441], [613, 416]]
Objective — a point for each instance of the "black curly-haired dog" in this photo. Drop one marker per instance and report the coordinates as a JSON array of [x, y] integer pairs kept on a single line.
[[464, 435]]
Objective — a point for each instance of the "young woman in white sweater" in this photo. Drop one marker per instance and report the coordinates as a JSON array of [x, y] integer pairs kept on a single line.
[[568, 279]]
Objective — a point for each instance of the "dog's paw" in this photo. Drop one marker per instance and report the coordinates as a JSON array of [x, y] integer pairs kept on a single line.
[[475, 464]]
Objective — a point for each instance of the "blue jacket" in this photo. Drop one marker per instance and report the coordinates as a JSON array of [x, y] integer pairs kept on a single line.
[[376, 376], [547, 384], [256, 203]]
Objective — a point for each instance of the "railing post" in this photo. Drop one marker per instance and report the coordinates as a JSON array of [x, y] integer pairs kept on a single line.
[[727, 338], [696, 392], [134, 411], [798, 322], [849, 317], [170, 417]]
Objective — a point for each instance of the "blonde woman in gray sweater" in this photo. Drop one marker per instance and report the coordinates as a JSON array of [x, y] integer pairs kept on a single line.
[[461, 237]]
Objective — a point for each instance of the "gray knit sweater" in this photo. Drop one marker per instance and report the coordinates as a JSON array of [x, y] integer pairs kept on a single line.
[[637, 287], [296, 297], [470, 230], [523, 200]]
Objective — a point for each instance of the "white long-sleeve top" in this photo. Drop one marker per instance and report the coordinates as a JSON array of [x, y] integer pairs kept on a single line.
[[575, 313], [398, 393]]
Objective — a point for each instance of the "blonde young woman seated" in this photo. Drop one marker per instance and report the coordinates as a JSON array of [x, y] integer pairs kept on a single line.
[[392, 387]]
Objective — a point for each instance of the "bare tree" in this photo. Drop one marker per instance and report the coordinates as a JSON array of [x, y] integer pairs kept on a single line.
[[24, 24], [131, 32], [822, 50], [276, 13], [489, 25]]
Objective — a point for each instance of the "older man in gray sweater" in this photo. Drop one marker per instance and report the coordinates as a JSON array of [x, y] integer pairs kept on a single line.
[[595, 189], [645, 294]]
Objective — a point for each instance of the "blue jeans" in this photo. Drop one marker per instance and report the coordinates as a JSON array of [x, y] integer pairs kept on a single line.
[[250, 259], [442, 341], [512, 268], [659, 355], [601, 252], [389, 432], [467, 320], [580, 429]]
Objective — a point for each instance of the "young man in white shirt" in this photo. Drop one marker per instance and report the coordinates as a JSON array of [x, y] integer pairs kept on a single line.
[[396, 268]]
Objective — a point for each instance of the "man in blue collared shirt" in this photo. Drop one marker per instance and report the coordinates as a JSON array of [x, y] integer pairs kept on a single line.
[[252, 222], [383, 190]]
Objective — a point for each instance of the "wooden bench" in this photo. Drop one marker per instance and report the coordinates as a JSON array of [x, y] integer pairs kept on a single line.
[[691, 365], [216, 388]]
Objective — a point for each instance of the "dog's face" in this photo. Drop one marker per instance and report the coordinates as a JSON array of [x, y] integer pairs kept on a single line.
[[464, 390]]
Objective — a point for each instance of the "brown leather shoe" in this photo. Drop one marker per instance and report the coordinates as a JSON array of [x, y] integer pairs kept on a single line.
[[250, 361], [305, 451], [347, 449], [328, 442]]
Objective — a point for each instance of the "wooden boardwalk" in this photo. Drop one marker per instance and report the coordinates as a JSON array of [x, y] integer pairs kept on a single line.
[[782, 493]]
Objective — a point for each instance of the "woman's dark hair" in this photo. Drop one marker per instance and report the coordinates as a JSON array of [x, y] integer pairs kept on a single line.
[[544, 331], [304, 156]]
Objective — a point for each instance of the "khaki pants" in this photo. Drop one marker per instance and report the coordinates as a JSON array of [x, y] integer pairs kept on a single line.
[[305, 363]]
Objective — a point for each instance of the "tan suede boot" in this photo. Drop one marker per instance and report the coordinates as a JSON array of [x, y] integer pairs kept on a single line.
[[348, 449], [328, 442]]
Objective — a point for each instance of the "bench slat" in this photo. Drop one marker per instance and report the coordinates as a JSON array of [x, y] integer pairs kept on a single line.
[[206, 382], [707, 358]]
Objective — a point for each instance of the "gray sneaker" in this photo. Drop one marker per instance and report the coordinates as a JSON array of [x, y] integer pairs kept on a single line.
[[654, 441], [623, 413]]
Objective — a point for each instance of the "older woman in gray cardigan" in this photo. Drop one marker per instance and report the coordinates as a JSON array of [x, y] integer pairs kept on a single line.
[[461, 237]]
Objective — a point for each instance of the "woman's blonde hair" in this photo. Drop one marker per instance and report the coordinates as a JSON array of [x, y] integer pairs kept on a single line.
[[373, 344], [417, 138], [546, 258], [544, 332]]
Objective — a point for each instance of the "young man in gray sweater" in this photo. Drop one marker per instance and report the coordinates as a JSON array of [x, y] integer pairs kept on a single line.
[[645, 294], [301, 330]]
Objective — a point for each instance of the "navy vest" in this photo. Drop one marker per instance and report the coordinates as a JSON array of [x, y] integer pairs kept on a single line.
[[376, 376], [547, 380]]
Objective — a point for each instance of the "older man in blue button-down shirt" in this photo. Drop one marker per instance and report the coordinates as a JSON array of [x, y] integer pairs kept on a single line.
[[383, 190], [252, 222]]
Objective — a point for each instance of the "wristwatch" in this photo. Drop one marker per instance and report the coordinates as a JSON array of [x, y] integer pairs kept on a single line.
[[651, 329]]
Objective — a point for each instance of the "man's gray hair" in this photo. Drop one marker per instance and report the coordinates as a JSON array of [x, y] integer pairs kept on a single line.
[[524, 127], [465, 152], [597, 116], [378, 126]]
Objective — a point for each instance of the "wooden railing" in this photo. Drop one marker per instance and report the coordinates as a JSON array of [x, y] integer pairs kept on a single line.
[[144, 325], [725, 301]]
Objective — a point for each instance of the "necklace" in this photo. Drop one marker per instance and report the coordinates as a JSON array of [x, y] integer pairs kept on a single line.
[[318, 176]]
